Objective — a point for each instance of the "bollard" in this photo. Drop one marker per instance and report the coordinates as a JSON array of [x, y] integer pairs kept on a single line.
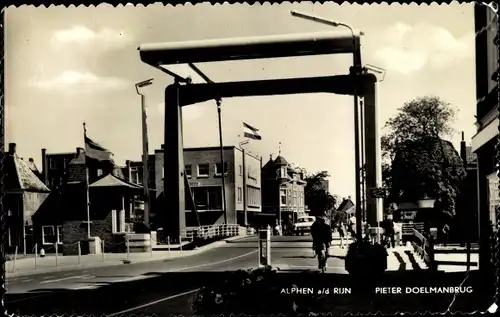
[[102, 243], [151, 245], [57, 255], [180, 242], [79, 252], [265, 247], [168, 243], [128, 247], [36, 253], [14, 262]]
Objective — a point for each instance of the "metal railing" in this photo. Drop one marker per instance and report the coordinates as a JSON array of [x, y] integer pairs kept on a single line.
[[407, 228], [424, 247], [202, 232], [212, 231]]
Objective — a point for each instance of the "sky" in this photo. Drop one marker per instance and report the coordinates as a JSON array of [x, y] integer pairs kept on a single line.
[[66, 66]]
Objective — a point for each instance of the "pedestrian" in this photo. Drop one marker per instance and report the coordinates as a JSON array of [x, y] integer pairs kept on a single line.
[[446, 234], [341, 230], [389, 232]]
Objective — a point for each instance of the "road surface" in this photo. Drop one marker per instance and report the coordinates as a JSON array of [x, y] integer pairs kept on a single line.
[[162, 287]]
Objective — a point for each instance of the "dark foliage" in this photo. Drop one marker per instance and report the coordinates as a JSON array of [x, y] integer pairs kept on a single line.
[[317, 198]]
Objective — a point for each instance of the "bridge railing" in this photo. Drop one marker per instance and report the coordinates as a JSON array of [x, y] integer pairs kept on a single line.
[[424, 247], [212, 231], [407, 228]]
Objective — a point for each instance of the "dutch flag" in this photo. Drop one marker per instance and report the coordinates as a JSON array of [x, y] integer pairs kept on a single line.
[[251, 132], [95, 151]]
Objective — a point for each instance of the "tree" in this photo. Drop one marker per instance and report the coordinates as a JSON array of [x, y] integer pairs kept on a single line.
[[316, 197], [418, 119], [418, 162]]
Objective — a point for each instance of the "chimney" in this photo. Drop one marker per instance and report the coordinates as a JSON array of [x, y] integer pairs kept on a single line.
[[463, 152], [45, 170], [31, 160], [129, 172], [79, 151], [271, 157], [12, 148], [349, 197]]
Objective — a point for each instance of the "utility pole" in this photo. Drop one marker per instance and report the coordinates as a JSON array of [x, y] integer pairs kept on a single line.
[[145, 151]]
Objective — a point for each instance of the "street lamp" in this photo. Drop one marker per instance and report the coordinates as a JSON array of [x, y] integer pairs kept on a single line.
[[145, 150], [356, 69], [244, 193]]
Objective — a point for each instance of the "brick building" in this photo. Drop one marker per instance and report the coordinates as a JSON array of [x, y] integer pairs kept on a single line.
[[64, 215], [283, 190], [204, 172], [487, 122]]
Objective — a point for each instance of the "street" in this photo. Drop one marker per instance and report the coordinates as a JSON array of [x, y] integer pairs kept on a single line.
[[161, 286], [168, 286]]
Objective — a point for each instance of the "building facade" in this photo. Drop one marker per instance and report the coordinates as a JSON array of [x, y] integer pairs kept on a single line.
[[24, 194], [134, 170], [283, 190], [55, 167], [203, 169], [486, 138]]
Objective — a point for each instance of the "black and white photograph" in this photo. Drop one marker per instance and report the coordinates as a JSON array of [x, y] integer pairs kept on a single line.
[[292, 158]]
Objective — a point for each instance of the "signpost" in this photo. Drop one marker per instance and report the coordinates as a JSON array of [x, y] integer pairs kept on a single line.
[[265, 247]]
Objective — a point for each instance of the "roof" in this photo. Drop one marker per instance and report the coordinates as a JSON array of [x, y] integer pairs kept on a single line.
[[268, 164], [113, 181], [21, 176], [345, 205], [280, 160]]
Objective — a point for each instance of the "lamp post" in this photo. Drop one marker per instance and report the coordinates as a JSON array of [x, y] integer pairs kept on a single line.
[[356, 69], [244, 193], [145, 149]]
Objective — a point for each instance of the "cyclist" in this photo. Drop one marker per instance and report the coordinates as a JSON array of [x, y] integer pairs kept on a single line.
[[322, 237]]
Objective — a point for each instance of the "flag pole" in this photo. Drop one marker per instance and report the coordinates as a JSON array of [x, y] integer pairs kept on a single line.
[[87, 195], [222, 162]]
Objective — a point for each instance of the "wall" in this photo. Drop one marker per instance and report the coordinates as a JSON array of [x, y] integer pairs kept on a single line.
[[31, 202], [211, 156], [76, 230], [252, 177]]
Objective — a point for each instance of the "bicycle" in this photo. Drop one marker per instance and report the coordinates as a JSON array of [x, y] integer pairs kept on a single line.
[[322, 255]]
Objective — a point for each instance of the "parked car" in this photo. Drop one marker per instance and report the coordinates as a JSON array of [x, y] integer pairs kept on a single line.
[[303, 225]]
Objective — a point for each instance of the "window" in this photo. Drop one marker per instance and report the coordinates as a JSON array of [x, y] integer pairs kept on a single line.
[[218, 169], [240, 192], [188, 170], [55, 182], [9, 237], [99, 172], [49, 235], [59, 234], [253, 196], [208, 198], [241, 170], [136, 175], [203, 170], [283, 196]]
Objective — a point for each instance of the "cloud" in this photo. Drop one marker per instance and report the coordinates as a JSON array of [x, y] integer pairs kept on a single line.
[[77, 82], [82, 35], [189, 113], [407, 49]]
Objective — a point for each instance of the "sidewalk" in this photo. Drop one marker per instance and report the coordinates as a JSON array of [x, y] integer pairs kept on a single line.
[[29, 266], [397, 259]]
